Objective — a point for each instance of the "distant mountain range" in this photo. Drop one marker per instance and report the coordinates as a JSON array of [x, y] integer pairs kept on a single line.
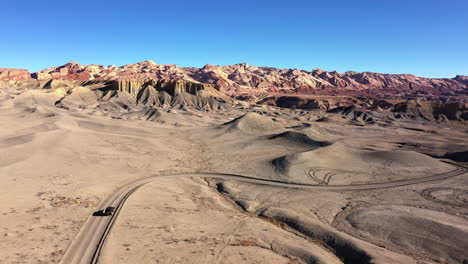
[[244, 78]]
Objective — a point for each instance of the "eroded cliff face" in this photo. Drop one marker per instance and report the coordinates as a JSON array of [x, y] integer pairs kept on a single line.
[[131, 87], [242, 78], [432, 110], [175, 87], [172, 87], [354, 106]]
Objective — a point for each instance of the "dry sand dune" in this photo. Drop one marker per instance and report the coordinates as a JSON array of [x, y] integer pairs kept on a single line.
[[298, 139], [66, 146], [253, 123]]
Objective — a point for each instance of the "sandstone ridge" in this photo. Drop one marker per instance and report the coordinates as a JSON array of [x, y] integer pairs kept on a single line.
[[238, 78]]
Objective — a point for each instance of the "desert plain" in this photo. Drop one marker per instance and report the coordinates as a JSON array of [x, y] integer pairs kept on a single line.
[[227, 180]]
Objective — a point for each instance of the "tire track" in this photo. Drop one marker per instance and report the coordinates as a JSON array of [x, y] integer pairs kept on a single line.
[[87, 245]]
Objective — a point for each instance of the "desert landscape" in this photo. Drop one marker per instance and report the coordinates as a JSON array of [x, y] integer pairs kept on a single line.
[[231, 164]]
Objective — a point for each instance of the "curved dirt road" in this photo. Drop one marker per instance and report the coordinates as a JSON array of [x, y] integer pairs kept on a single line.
[[87, 245]]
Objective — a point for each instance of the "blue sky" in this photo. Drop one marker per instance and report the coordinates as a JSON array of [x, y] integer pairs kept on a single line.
[[422, 37]]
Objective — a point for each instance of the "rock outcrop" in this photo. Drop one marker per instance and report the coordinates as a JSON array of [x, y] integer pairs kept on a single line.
[[462, 79], [69, 71], [175, 87], [172, 87], [315, 102], [353, 114], [431, 110], [14, 74], [352, 107], [170, 93], [239, 78], [131, 87]]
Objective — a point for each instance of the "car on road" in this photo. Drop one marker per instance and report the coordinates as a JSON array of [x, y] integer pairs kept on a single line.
[[108, 211]]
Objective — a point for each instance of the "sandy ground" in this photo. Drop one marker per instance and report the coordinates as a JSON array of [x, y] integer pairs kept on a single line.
[[58, 163], [197, 224]]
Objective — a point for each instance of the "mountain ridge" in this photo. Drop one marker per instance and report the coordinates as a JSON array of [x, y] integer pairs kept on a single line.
[[244, 78]]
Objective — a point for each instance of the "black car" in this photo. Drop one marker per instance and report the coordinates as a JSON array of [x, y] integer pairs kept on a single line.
[[108, 211]]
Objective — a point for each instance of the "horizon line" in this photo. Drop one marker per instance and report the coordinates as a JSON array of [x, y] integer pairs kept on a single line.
[[240, 63]]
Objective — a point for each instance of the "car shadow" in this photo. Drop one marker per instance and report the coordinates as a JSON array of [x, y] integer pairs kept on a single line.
[[98, 213]]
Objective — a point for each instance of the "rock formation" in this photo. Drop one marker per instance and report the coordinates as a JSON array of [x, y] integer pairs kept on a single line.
[[14, 74], [131, 87], [404, 95], [167, 93], [69, 71], [432, 110], [238, 78]]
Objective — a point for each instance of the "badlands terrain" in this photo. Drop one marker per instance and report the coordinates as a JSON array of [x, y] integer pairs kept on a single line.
[[231, 164]]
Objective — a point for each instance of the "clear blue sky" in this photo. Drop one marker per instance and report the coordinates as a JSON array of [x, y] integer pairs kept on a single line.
[[423, 37]]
